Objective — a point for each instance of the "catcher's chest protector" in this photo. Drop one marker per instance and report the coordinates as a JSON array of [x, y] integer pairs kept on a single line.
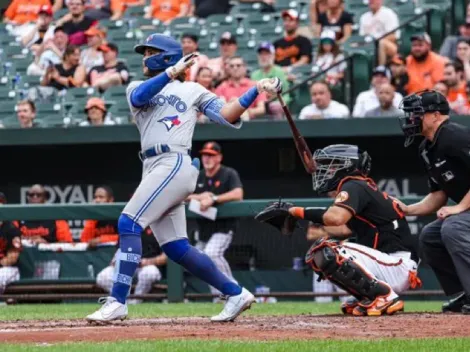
[[345, 272]]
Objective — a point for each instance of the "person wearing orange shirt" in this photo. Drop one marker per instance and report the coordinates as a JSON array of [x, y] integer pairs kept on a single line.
[[118, 7], [43, 231], [22, 15], [425, 68], [167, 10], [457, 88], [100, 231]]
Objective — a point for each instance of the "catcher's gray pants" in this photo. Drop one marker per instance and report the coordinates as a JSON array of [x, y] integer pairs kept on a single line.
[[445, 247], [215, 249]]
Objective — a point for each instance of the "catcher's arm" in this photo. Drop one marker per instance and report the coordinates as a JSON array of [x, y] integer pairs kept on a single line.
[[315, 232]]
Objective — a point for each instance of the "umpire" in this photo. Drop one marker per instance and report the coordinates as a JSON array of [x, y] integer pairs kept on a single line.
[[444, 243]]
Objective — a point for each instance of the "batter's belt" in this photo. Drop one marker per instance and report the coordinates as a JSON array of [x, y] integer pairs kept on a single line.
[[158, 149]]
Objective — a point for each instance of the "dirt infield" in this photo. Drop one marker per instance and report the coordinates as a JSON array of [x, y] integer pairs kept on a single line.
[[246, 328]]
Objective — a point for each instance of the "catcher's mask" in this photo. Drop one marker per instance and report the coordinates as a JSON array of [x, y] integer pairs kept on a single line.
[[415, 106], [336, 162]]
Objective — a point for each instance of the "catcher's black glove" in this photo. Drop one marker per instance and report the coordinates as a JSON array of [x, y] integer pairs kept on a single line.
[[277, 215]]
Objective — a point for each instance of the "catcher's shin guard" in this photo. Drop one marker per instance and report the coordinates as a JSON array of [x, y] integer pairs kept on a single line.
[[345, 272]]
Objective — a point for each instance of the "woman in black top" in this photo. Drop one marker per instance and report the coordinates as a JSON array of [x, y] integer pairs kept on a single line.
[[337, 20], [67, 74]]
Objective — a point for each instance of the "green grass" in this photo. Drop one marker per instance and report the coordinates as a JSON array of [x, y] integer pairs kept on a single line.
[[153, 310], [388, 345]]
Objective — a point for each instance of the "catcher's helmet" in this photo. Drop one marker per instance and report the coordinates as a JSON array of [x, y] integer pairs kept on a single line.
[[415, 106], [336, 162], [171, 53]]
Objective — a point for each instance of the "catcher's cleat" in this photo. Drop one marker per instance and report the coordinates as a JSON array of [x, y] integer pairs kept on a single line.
[[234, 306], [456, 304], [109, 311], [348, 306], [381, 306], [359, 311]]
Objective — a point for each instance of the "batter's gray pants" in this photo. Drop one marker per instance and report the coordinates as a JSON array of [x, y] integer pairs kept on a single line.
[[445, 247]]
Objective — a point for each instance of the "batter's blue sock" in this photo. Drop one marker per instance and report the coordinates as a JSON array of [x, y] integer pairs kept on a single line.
[[200, 265], [127, 258]]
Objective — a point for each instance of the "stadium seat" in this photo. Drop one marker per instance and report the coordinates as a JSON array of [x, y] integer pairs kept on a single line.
[[7, 110], [7, 94], [120, 109], [115, 93]]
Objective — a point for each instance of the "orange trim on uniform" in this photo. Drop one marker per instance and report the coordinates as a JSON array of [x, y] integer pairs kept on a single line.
[[400, 261], [298, 212], [63, 233]]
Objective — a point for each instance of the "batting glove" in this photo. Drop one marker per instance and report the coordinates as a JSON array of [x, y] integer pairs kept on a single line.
[[272, 86], [182, 65]]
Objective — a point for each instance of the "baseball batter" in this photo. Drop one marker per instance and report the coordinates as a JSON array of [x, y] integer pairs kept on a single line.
[[165, 109], [383, 262]]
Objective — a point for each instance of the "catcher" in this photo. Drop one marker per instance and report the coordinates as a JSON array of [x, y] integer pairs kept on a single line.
[[383, 262]]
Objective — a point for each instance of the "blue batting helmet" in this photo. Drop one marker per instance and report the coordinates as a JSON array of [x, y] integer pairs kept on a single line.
[[171, 53]]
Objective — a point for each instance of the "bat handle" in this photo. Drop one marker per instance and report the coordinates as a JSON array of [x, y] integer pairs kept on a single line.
[[281, 100]]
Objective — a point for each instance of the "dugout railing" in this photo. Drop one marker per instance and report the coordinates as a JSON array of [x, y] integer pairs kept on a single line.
[[177, 286]]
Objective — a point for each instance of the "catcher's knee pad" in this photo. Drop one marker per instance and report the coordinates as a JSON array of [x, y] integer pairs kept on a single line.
[[345, 272]]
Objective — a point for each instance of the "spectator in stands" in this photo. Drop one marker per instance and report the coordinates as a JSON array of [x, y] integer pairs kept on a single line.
[[118, 7], [441, 87], [67, 74], [204, 8], [168, 10], [43, 231], [323, 107], [112, 73], [42, 30], [216, 184], [457, 88], [369, 99], [228, 48], [75, 23], [189, 42], [22, 14], [463, 56], [386, 93], [425, 68], [50, 52], [96, 112], [94, 9], [91, 56], [148, 272], [267, 69], [10, 248], [204, 78], [317, 8], [236, 84], [399, 75], [100, 231], [377, 22], [449, 46], [26, 113], [336, 19], [293, 49], [329, 54]]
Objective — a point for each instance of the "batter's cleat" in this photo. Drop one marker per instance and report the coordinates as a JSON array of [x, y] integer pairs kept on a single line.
[[234, 306], [385, 305], [347, 307], [109, 311], [456, 304]]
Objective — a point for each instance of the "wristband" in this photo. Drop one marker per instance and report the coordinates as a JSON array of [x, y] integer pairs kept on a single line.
[[248, 97]]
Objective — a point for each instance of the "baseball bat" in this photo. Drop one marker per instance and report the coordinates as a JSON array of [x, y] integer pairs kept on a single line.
[[302, 147]]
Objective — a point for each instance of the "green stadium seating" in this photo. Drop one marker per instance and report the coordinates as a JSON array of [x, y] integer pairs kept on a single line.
[[115, 94], [120, 109], [7, 94], [136, 11], [7, 110]]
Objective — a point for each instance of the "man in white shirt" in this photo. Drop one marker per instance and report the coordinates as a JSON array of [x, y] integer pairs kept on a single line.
[[386, 94], [377, 22], [323, 107], [369, 99]]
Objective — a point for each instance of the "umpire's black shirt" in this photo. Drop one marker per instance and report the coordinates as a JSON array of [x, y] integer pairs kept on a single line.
[[225, 180], [447, 160]]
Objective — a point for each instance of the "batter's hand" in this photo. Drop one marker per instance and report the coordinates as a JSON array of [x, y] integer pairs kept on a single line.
[[448, 211], [182, 65], [271, 86]]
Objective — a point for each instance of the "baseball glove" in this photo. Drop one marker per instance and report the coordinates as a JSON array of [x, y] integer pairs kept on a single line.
[[277, 214]]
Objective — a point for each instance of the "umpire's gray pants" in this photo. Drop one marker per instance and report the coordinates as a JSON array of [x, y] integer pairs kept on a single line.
[[445, 246]]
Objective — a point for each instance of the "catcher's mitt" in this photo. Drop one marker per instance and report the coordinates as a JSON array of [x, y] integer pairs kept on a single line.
[[277, 215]]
